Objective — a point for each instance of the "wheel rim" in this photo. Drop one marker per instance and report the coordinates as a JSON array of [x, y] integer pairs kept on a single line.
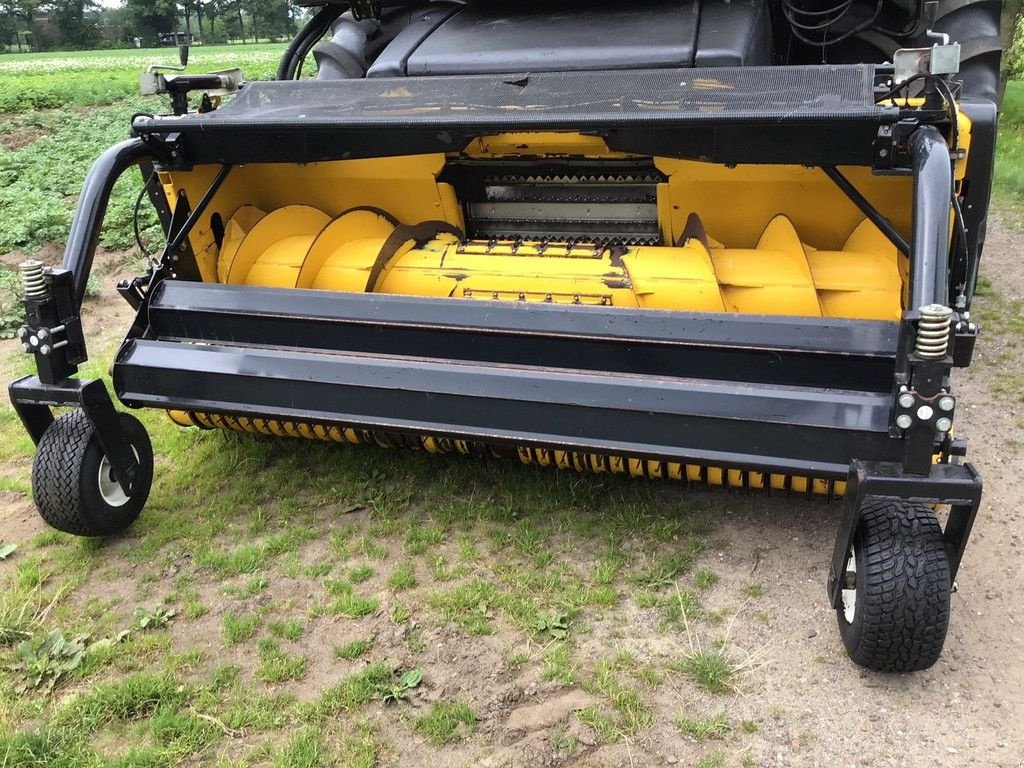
[[850, 595], [110, 489]]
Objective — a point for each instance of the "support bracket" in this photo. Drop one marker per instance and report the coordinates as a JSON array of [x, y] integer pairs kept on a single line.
[[957, 485]]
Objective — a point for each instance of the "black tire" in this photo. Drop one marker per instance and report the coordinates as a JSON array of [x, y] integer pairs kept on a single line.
[[975, 24], [901, 612], [66, 477]]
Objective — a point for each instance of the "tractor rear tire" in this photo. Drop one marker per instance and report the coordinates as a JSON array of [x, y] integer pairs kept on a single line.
[[73, 484], [895, 620], [975, 24]]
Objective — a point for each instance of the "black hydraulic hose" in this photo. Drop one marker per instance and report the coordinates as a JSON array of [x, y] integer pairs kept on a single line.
[[92, 207], [308, 36], [933, 191]]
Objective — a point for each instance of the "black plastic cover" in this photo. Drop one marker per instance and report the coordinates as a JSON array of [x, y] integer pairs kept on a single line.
[[489, 36]]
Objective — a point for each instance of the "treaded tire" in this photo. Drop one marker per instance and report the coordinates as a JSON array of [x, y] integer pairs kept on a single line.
[[975, 24], [903, 588], [65, 477]]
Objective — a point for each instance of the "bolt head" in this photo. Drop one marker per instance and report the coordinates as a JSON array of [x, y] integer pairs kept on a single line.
[[23, 333], [925, 412], [26, 347], [906, 400], [33, 340], [903, 421], [946, 403], [45, 349], [43, 333], [944, 424]]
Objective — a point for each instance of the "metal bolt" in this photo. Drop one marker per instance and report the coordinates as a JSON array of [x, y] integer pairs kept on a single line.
[[23, 333], [43, 334], [25, 347], [946, 403], [944, 424], [45, 349], [33, 340], [906, 400], [925, 412], [903, 421]]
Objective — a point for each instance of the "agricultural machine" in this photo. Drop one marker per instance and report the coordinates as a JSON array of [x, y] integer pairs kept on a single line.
[[731, 242]]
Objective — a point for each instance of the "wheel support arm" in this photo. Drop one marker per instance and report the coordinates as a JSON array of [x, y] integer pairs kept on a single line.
[[957, 485], [33, 399]]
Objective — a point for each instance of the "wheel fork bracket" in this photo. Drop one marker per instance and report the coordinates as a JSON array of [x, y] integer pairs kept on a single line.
[[958, 485], [33, 400]]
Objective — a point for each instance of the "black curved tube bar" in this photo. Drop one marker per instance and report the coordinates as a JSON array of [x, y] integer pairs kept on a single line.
[[304, 41], [933, 194], [92, 207]]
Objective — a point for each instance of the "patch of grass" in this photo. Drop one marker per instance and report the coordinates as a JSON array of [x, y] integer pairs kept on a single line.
[[441, 571], [634, 714], [749, 726], [421, 538], [717, 727], [276, 666], [441, 725], [305, 749], [400, 614], [130, 698], [238, 629], [711, 669], [559, 664], [468, 605], [403, 577], [287, 629], [754, 591], [715, 760], [705, 578], [251, 588], [664, 571], [183, 731], [604, 725], [248, 558], [21, 614], [351, 693], [353, 649], [360, 573], [250, 711], [353, 606]]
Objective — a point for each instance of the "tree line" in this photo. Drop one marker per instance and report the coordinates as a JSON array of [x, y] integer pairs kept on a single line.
[[42, 25]]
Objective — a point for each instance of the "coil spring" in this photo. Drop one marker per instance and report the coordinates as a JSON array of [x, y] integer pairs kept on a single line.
[[933, 331], [32, 278]]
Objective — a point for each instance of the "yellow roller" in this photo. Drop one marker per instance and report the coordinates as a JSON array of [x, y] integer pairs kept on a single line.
[[299, 246]]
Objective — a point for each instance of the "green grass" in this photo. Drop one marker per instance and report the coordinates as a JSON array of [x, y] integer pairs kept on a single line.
[[716, 727], [276, 666], [711, 669], [353, 606], [1009, 172], [238, 629], [286, 629], [360, 573], [96, 78], [446, 722], [403, 577], [353, 649]]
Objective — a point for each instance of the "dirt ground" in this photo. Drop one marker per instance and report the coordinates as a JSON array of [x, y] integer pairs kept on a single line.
[[812, 706]]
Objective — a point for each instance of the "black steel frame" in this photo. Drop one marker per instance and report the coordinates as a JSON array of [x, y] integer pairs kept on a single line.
[[799, 396]]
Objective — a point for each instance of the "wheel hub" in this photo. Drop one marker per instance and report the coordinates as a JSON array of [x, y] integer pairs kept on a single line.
[[849, 592]]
